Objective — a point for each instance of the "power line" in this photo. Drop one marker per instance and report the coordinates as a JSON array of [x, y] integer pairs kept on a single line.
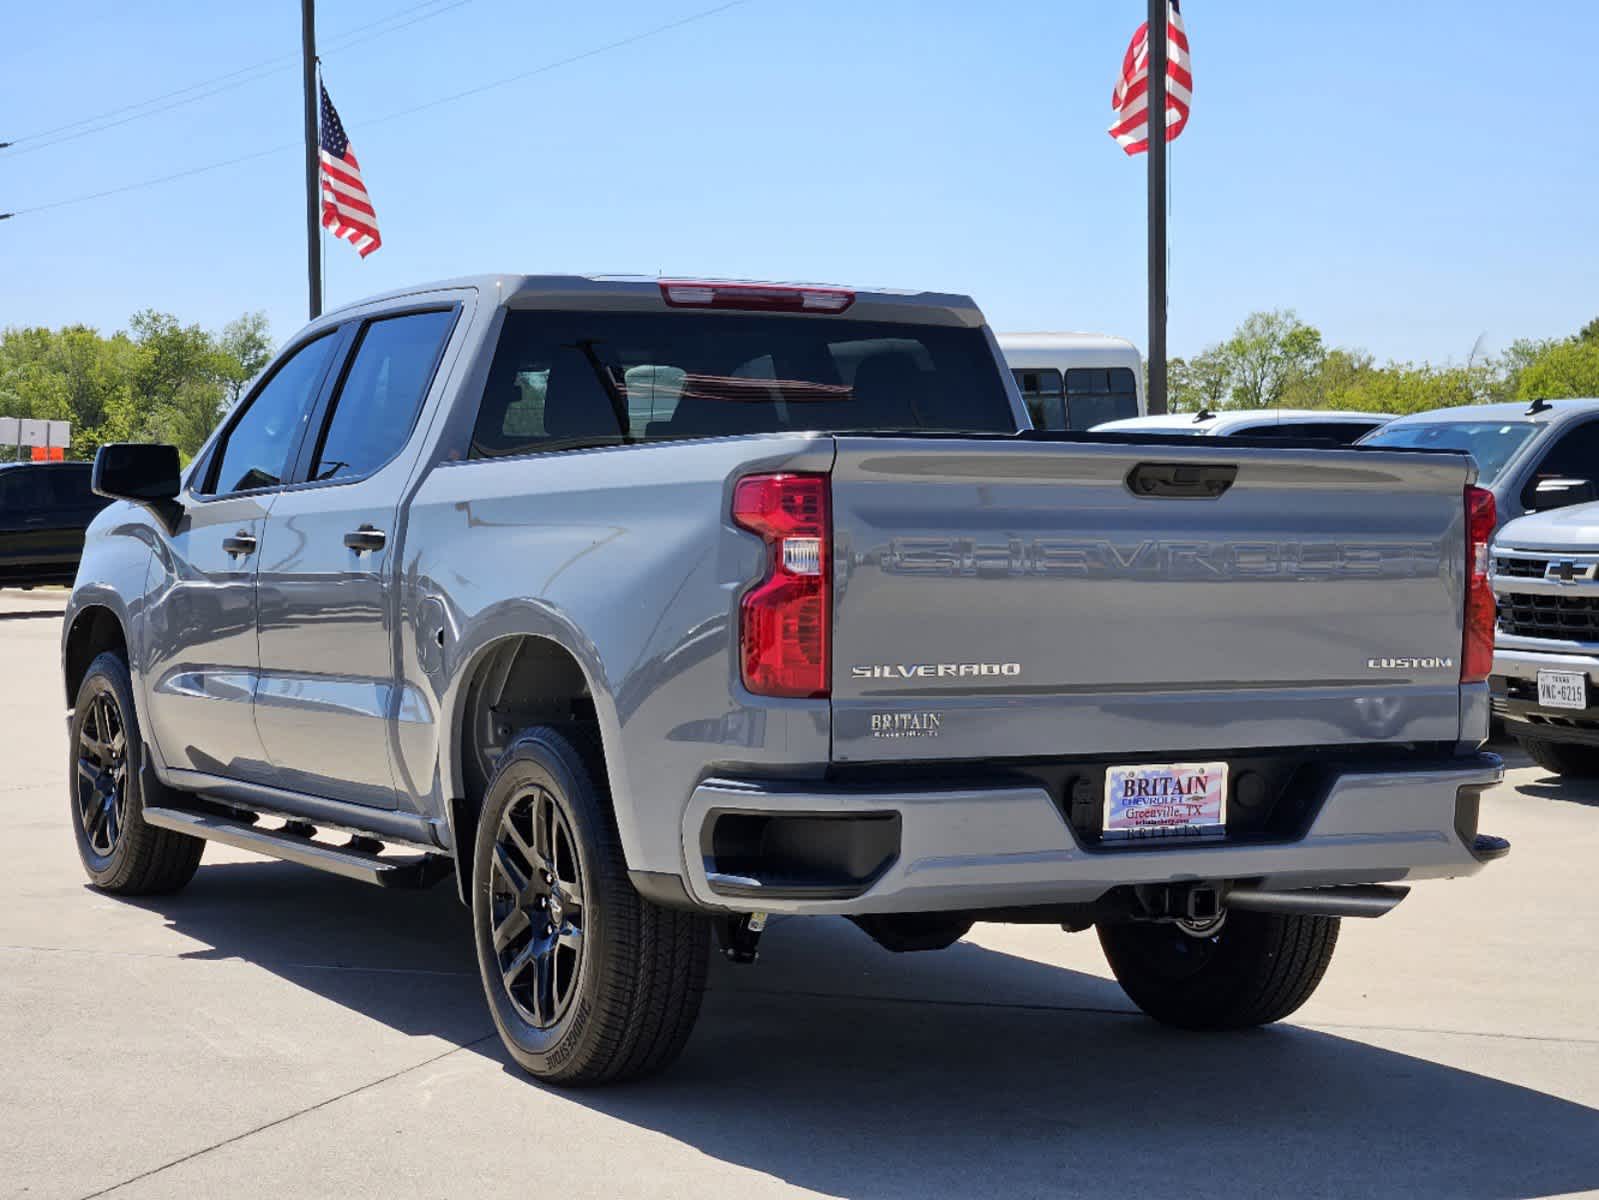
[[703, 14], [206, 88], [653, 31]]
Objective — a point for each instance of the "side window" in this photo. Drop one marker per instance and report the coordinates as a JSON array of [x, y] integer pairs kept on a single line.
[[1043, 390], [1574, 456], [1098, 394], [381, 394], [21, 491], [255, 451], [69, 488]]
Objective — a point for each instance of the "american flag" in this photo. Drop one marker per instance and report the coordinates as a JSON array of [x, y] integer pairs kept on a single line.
[[346, 208], [1131, 101]]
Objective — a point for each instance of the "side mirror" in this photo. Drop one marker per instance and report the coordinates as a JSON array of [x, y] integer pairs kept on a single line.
[[1562, 493], [146, 474]]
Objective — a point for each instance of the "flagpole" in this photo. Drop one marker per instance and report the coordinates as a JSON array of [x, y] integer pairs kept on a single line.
[[313, 225], [1156, 203]]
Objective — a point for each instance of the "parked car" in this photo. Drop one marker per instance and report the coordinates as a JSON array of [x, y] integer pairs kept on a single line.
[[44, 510], [1546, 662], [1332, 425], [1075, 380], [651, 608], [1533, 457]]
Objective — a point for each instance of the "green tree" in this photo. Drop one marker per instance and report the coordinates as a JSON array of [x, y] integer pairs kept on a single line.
[[244, 347], [1198, 383], [160, 381], [1268, 354], [1564, 369]]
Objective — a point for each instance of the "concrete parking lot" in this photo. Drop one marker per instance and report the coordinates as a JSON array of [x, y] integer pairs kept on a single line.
[[275, 1032]]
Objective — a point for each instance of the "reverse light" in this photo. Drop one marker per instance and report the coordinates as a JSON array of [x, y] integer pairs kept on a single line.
[[1477, 644], [784, 619], [756, 297]]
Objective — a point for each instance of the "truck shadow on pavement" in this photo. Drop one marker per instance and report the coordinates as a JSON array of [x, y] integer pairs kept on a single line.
[[835, 1066]]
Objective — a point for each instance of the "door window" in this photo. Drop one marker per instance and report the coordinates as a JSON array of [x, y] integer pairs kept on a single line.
[[381, 394], [22, 491], [1044, 393], [69, 489], [1574, 456], [256, 451], [1095, 395]]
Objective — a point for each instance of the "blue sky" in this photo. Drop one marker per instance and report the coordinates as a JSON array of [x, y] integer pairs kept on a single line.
[[1407, 175]]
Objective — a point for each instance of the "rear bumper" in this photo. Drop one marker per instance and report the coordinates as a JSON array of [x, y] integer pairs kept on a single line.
[[1002, 847]]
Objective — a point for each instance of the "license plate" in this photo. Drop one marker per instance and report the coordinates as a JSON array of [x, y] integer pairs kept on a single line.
[[1562, 689], [1165, 800]]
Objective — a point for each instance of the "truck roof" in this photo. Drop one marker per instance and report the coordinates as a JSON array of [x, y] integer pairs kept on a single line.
[[1516, 410], [1217, 422], [517, 290], [1064, 340]]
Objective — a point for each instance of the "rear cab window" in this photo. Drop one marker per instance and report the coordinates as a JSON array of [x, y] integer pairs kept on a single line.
[[564, 380]]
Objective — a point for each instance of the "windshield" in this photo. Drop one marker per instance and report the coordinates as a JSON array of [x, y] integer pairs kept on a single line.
[[1491, 443], [572, 379]]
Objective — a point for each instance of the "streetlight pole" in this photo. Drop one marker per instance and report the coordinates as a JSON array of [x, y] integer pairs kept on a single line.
[[313, 226], [1157, 206]]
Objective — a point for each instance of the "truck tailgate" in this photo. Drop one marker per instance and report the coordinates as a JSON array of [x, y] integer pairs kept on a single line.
[[1021, 599]]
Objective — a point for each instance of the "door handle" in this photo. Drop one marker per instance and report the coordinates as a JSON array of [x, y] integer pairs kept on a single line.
[[240, 544], [366, 538], [33, 520]]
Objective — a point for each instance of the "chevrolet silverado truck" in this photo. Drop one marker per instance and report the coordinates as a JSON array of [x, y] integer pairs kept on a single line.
[[1546, 657], [648, 610]]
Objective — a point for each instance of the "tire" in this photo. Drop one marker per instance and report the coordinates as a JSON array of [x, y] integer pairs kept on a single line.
[[1562, 758], [620, 999], [120, 852], [1256, 969]]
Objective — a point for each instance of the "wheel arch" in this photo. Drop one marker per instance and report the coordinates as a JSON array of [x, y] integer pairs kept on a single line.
[[509, 683], [94, 628]]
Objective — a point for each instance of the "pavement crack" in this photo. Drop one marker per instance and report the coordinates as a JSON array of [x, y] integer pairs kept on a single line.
[[283, 1120]]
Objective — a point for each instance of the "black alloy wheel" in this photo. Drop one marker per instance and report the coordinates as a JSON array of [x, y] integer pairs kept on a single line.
[[107, 792], [537, 902], [587, 981], [102, 774]]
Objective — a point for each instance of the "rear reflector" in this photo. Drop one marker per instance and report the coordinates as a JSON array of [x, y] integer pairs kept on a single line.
[[1477, 646], [756, 297], [784, 619]]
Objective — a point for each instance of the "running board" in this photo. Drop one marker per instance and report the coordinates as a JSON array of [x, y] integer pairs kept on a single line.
[[416, 871]]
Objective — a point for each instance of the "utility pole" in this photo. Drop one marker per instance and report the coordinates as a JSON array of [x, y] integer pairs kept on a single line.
[[313, 224], [1157, 206]]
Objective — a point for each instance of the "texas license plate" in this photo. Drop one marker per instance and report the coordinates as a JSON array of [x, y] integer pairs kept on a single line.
[[1562, 689], [1165, 800]]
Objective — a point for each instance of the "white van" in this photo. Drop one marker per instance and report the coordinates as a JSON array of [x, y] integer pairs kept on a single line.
[[1075, 380]]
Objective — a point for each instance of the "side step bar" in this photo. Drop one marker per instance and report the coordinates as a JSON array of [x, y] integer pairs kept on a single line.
[[417, 871], [1357, 900]]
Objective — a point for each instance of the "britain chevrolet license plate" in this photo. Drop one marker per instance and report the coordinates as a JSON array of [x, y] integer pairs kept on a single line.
[[1562, 689], [1165, 800]]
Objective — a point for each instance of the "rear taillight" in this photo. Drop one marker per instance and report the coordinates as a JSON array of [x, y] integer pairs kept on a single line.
[[1477, 646], [756, 297], [783, 620]]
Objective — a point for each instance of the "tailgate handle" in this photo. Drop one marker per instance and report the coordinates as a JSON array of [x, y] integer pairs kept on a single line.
[[1181, 481]]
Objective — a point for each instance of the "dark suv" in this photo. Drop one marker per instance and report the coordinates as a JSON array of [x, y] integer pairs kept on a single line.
[[44, 509]]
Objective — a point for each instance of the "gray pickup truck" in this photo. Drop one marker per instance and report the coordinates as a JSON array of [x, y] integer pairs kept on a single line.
[[649, 609]]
